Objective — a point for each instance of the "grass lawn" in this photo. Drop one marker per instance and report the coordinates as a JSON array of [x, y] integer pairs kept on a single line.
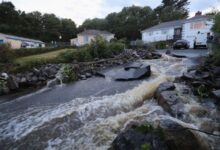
[[44, 56], [29, 62]]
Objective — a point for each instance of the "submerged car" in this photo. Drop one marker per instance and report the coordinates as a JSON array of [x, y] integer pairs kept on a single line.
[[181, 44]]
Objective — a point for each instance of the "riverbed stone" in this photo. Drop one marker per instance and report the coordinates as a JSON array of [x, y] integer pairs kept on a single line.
[[88, 75], [171, 102], [196, 75], [166, 135], [216, 93], [166, 86], [12, 84]]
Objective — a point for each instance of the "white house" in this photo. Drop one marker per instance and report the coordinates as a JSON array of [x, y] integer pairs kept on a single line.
[[19, 42], [191, 29], [196, 29], [87, 36]]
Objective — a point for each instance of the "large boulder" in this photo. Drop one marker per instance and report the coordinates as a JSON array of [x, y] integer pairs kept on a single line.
[[171, 102], [130, 71], [133, 74], [166, 86], [165, 135], [196, 75]]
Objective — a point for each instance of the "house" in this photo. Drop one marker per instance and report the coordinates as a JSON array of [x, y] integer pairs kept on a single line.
[[87, 36], [195, 28], [17, 42]]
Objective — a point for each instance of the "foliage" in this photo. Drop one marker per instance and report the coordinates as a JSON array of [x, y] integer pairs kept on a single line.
[[116, 47], [2, 86], [34, 51], [172, 10], [46, 27], [98, 48], [80, 55], [203, 91], [144, 128], [68, 73], [216, 26], [145, 147], [6, 54], [125, 24], [216, 45], [216, 55]]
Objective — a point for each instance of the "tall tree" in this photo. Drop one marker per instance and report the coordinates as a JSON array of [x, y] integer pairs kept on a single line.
[[172, 10]]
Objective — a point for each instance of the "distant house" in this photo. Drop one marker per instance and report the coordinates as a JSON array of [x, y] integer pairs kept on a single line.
[[197, 27], [17, 42], [87, 36]]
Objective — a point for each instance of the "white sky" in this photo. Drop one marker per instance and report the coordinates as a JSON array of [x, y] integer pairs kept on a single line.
[[79, 10]]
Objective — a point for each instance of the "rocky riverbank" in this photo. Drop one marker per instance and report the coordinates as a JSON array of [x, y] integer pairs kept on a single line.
[[47, 74], [192, 99]]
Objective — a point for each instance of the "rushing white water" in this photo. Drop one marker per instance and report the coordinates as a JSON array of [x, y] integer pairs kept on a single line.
[[90, 122]]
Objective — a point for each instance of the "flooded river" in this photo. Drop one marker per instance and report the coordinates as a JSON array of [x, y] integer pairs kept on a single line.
[[87, 114]]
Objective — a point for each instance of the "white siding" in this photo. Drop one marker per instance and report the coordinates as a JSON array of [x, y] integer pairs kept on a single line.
[[189, 32], [158, 35]]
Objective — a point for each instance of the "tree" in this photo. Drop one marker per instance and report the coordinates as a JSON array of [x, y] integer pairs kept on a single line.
[[8, 17], [68, 29], [130, 21], [216, 26], [47, 27], [172, 10]]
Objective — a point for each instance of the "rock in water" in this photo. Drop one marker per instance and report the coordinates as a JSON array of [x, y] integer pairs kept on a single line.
[[216, 94], [131, 71], [166, 86], [166, 135], [133, 74], [171, 102]]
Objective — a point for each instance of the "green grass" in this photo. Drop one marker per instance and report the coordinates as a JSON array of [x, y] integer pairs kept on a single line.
[[44, 56], [28, 62]]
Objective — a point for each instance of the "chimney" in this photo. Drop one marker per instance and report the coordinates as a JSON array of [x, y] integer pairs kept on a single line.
[[198, 13]]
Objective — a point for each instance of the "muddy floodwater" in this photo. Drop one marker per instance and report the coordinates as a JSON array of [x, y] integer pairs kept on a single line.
[[87, 114]]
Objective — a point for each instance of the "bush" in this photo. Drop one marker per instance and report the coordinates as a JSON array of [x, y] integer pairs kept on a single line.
[[69, 73], [216, 55], [98, 48], [6, 54], [116, 47], [80, 55]]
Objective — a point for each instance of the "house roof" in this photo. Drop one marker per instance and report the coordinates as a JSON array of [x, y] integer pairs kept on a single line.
[[95, 32], [164, 25], [177, 23], [20, 38]]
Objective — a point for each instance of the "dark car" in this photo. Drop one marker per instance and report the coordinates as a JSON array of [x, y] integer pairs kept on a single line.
[[181, 44]]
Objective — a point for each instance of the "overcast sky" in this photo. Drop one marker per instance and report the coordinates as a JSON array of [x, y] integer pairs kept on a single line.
[[79, 10]]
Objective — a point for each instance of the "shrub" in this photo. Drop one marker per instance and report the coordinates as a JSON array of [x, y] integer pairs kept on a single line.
[[2, 86], [216, 55], [81, 55], [116, 47], [69, 73], [140, 44], [6, 54], [98, 48]]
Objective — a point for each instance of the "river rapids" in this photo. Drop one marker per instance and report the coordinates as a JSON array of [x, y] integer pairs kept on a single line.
[[87, 115]]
